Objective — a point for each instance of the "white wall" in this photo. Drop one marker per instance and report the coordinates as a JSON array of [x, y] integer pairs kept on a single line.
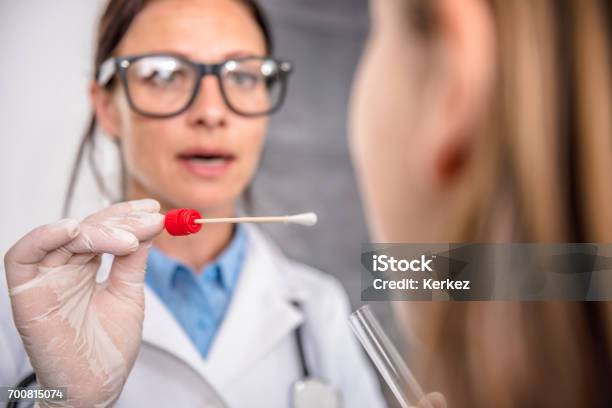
[[45, 54]]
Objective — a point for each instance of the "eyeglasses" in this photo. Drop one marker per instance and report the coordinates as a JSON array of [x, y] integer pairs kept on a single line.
[[165, 85]]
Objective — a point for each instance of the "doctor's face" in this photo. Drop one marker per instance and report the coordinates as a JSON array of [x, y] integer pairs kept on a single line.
[[205, 156]]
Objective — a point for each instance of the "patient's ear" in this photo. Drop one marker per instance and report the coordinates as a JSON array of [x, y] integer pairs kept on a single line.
[[105, 109], [466, 38]]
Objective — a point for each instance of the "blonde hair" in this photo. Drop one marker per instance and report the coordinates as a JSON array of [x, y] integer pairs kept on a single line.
[[545, 158]]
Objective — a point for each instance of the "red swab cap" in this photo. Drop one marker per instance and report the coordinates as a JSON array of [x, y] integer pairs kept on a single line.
[[181, 221]]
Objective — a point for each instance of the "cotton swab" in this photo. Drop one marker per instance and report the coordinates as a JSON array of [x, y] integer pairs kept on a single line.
[[184, 221], [307, 219]]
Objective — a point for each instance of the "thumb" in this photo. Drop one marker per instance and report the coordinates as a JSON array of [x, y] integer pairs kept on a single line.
[[20, 262]]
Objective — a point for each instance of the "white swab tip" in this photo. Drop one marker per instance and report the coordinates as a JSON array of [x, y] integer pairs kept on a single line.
[[307, 219]]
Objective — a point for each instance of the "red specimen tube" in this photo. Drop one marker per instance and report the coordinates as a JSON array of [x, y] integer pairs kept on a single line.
[[180, 221]]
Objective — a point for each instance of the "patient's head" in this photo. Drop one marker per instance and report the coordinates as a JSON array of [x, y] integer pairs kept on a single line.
[[485, 120], [489, 120]]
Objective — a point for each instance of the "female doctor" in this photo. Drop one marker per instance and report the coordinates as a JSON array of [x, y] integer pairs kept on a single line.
[[184, 87]]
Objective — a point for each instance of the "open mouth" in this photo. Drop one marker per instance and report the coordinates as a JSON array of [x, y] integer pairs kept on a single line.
[[207, 159], [206, 163]]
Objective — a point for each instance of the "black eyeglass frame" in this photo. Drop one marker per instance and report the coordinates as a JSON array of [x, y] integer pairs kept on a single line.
[[120, 65]]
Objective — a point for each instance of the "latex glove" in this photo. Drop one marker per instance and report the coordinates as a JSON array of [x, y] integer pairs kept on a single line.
[[432, 400], [78, 333]]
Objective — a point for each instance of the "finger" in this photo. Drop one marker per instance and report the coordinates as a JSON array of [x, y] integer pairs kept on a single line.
[[100, 239], [118, 235], [142, 225], [147, 205], [39, 242], [79, 259], [60, 256], [140, 218], [21, 259], [127, 273]]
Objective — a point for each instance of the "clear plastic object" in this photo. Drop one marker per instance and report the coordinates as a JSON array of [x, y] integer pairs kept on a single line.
[[386, 358]]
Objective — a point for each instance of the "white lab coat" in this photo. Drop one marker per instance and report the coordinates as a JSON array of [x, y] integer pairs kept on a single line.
[[253, 361]]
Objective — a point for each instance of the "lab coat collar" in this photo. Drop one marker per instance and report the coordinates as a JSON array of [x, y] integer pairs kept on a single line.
[[162, 330], [259, 316]]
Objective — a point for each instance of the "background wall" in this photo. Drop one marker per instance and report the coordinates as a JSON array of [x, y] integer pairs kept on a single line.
[[45, 63], [46, 52], [306, 164]]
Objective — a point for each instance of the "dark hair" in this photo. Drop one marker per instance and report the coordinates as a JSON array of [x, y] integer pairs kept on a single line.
[[115, 22]]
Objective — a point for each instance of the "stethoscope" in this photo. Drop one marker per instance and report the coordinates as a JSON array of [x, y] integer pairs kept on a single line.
[[307, 392], [310, 391]]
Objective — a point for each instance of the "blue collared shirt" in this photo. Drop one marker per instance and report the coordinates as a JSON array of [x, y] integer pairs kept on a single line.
[[198, 301]]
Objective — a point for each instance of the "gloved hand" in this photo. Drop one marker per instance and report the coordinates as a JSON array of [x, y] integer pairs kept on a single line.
[[78, 333]]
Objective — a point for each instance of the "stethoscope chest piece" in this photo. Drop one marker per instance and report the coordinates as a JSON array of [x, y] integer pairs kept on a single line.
[[314, 393]]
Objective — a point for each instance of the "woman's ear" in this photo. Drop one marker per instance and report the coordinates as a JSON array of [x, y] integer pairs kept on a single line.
[[466, 35], [105, 109]]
